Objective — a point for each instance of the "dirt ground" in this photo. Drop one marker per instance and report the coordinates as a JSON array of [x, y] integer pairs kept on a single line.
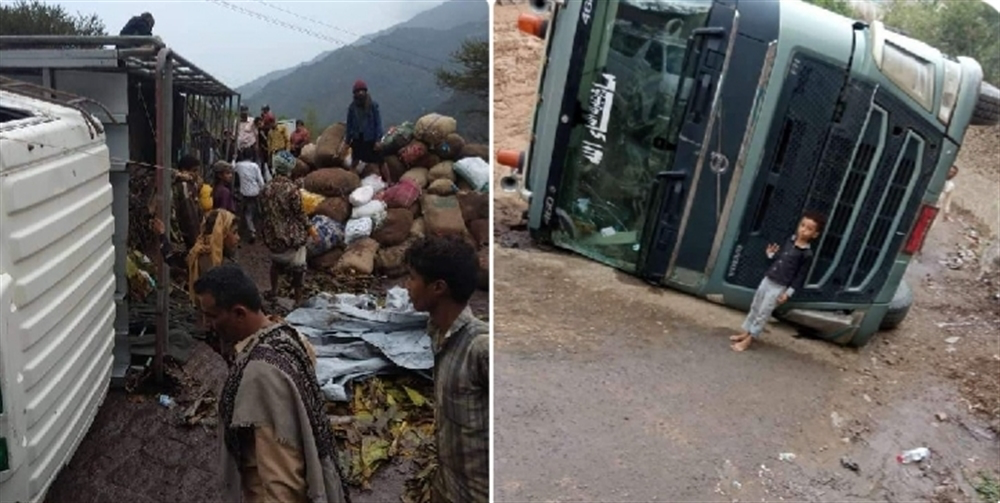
[[608, 389], [139, 451]]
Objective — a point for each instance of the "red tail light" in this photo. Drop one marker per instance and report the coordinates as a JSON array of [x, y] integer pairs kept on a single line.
[[924, 220]]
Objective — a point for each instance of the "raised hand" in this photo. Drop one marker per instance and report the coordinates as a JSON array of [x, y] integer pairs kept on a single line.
[[773, 248]]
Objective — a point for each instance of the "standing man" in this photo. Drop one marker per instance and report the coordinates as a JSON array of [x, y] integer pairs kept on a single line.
[[442, 279], [276, 437], [267, 118], [277, 140], [251, 184], [300, 138], [246, 139], [364, 127], [285, 227]]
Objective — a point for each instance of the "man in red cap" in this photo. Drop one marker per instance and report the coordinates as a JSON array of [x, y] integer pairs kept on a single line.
[[364, 127]]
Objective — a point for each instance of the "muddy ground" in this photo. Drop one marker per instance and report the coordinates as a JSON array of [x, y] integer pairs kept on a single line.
[[608, 389], [138, 451]]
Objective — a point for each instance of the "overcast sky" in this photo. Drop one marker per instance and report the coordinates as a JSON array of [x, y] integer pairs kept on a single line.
[[237, 47]]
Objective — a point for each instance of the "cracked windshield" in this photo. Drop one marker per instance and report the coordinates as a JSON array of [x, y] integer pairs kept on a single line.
[[625, 138]]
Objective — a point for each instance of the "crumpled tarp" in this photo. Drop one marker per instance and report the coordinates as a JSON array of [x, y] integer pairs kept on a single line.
[[356, 338]]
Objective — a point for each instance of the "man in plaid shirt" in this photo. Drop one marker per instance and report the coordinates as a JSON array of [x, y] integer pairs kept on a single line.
[[442, 278]]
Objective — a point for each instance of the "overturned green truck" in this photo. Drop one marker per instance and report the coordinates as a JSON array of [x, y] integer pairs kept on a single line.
[[675, 139]]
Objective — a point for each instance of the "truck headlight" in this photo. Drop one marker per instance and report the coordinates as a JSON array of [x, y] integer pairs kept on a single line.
[[949, 90], [913, 75]]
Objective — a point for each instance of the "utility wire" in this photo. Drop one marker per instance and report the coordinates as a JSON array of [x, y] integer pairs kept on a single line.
[[360, 36], [306, 31]]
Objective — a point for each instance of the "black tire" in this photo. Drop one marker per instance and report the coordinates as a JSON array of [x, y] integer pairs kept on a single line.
[[899, 307], [987, 111]]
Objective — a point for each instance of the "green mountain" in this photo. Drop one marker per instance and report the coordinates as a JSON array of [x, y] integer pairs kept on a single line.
[[398, 65]]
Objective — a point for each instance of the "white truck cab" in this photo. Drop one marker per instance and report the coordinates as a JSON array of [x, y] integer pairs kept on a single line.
[[57, 286]]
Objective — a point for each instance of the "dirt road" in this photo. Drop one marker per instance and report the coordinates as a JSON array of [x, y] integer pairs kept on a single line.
[[610, 390]]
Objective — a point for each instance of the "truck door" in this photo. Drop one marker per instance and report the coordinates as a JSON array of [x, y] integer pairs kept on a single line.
[[689, 198]]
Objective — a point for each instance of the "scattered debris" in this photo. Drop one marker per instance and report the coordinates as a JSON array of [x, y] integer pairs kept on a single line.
[[941, 416], [387, 418], [167, 401], [849, 464], [836, 419], [952, 340], [913, 455]]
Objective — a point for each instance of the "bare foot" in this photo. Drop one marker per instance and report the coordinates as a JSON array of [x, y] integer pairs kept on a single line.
[[742, 345], [739, 337]]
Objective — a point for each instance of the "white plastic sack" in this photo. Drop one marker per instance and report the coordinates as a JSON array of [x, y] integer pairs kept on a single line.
[[361, 196], [375, 182], [475, 171], [357, 228], [369, 209]]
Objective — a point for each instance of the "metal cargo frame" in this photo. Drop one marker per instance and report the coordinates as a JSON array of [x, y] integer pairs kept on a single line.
[[106, 70]]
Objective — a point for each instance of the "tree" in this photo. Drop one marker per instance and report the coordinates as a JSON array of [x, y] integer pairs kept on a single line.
[[958, 28], [311, 120], [31, 17], [473, 74], [842, 7]]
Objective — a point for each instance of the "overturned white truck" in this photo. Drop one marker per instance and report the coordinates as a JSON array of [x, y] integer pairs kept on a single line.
[[77, 115]]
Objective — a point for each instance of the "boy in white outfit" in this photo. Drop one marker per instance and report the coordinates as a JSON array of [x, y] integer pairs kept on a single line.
[[251, 183], [944, 202]]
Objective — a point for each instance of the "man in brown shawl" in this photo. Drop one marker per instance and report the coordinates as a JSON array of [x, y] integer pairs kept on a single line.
[[277, 440], [442, 278]]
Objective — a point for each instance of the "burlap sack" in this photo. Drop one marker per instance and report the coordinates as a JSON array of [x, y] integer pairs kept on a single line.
[[359, 258], [427, 161], [416, 209], [300, 170], [442, 170], [308, 154], [475, 150], [417, 229], [480, 230], [434, 128], [484, 269], [395, 229], [389, 261], [463, 186], [412, 152], [337, 209], [442, 187], [450, 148], [331, 149], [396, 168], [475, 205], [327, 261], [332, 182], [442, 215], [418, 175]]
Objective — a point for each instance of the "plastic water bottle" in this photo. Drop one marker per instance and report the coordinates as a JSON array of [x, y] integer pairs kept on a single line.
[[914, 455], [167, 402]]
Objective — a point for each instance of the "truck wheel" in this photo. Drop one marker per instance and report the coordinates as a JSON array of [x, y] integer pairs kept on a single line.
[[899, 307], [987, 111]]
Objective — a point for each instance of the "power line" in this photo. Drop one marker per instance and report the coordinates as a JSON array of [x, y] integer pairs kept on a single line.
[[360, 36], [320, 36]]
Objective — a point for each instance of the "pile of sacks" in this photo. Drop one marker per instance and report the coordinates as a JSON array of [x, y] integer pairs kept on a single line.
[[438, 185]]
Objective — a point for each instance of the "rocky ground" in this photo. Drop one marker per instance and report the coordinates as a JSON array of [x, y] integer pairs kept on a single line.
[[608, 389]]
